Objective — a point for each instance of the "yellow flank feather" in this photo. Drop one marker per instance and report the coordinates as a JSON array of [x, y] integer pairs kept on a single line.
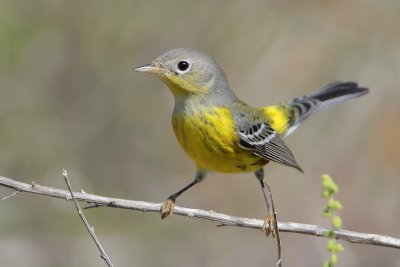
[[210, 139], [277, 117]]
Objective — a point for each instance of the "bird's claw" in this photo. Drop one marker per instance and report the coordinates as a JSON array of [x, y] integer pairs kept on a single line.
[[167, 208], [269, 225]]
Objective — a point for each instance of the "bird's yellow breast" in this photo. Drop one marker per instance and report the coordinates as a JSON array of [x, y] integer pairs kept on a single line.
[[210, 138]]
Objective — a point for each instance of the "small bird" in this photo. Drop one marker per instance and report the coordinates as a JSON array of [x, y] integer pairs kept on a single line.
[[220, 132]]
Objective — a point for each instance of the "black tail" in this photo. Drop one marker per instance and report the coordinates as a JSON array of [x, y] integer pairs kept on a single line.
[[330, 95], [337, 92]]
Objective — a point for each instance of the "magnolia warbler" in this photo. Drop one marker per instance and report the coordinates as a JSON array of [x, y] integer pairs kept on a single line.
[[220, 132]]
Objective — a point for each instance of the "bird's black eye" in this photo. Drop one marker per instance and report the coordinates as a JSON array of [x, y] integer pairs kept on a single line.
[[183, 65]]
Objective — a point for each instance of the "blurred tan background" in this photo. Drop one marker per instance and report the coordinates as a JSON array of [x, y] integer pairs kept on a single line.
[[69, 99]]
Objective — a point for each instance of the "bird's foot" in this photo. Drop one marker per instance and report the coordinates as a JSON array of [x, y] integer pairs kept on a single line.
[[269, 225], [167, 208]]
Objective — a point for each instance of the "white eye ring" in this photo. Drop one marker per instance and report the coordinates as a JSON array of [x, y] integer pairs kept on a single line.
[[183, 66]]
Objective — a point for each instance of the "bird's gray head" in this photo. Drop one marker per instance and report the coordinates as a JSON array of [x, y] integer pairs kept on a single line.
[[187, 72]]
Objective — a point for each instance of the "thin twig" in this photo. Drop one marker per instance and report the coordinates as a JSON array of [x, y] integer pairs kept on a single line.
[[10, 195], [308, 229], [271, 222], [277, 229], [90, 229], [92, 206]]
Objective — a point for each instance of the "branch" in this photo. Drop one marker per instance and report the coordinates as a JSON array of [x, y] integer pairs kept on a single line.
[[90, 229], [222, 219]]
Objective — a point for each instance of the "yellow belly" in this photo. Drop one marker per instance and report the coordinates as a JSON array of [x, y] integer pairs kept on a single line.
[[210, 139]]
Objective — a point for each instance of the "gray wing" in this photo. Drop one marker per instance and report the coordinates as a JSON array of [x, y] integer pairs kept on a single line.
[[265, 142]]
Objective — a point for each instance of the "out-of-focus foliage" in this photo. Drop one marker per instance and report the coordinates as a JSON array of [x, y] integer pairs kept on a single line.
[[70, 100], [329, 189]]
